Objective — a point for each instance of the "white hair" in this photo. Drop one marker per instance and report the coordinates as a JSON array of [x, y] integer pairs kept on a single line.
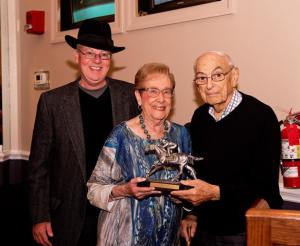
[[215, 52]]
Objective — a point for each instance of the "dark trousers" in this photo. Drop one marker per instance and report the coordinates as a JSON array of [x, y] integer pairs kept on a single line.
[[209, 239], [88, 235]]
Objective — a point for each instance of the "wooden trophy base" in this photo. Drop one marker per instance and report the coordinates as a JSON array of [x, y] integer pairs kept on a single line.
[[163, 185]]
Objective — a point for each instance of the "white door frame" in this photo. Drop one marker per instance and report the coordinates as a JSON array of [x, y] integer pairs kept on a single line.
[[10, 56]]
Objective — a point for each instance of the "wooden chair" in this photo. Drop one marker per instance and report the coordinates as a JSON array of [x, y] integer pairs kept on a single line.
[[267, 227]]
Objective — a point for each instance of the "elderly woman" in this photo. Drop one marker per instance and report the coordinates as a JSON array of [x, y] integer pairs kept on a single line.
[[133, 215]]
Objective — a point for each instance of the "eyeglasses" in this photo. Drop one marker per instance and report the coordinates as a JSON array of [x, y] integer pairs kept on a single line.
[[91, 55], [216, 77], [154, 92]]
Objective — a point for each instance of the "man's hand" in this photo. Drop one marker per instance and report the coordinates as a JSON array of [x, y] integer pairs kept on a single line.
[[41, 233], [188, 228], [201, 192]]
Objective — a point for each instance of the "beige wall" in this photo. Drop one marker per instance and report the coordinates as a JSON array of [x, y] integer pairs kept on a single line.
[[262, 37]]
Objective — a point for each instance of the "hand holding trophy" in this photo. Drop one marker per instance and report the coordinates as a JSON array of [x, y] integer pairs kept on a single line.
[[169, 158]]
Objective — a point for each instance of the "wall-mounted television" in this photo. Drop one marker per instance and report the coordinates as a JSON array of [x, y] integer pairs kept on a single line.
[[73, 12], [156, 6]]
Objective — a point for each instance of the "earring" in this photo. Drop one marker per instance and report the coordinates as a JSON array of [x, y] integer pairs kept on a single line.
[[140, 108]]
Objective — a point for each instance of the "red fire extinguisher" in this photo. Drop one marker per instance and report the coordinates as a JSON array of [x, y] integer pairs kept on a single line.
[[290, 151]]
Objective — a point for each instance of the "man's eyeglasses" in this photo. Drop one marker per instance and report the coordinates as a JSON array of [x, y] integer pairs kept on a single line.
[[154, 92], [216, 77], [91, 55]]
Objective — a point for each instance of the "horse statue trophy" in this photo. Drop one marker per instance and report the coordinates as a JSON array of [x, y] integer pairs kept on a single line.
[[168, 157]]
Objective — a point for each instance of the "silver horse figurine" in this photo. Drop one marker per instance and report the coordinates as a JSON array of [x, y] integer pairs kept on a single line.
[[167, 157]]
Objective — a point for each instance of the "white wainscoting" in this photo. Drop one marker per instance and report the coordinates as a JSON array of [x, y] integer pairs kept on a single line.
[[289, 194], [14, 155]]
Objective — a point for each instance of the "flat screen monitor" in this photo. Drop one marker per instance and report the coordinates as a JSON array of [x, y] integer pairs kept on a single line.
[[157, 2], [73, 12], [156, 6]]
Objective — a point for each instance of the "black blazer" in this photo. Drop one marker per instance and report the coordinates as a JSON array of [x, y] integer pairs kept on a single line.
[[56, 170]]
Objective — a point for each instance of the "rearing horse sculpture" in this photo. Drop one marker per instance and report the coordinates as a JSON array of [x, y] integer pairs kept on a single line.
[[166, 158]]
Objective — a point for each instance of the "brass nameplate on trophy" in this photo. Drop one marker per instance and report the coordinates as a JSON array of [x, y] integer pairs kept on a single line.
[[163, 185]]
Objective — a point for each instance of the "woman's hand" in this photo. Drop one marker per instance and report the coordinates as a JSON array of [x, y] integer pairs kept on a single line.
[[139, 192], [188, 228], [131, 189]]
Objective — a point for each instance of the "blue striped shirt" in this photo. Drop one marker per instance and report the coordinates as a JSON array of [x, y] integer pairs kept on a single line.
[[234, 102]]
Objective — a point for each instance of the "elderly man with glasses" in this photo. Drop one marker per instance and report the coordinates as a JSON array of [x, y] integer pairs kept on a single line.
[[239, 138]]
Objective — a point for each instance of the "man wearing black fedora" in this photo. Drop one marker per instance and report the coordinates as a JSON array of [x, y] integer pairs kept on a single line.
[[72, 122]]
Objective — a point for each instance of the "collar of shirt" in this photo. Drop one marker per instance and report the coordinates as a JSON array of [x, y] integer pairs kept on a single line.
[[234, 102]]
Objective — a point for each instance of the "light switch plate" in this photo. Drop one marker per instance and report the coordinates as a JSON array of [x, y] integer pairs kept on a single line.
[[41, 80]]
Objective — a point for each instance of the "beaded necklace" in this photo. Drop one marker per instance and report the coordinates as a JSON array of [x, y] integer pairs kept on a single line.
[[146, 132]]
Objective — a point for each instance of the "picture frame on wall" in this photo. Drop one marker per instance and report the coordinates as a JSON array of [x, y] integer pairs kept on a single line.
[[163, 12]]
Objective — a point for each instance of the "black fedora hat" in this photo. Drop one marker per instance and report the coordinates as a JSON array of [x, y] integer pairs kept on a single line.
[[95, 34]]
